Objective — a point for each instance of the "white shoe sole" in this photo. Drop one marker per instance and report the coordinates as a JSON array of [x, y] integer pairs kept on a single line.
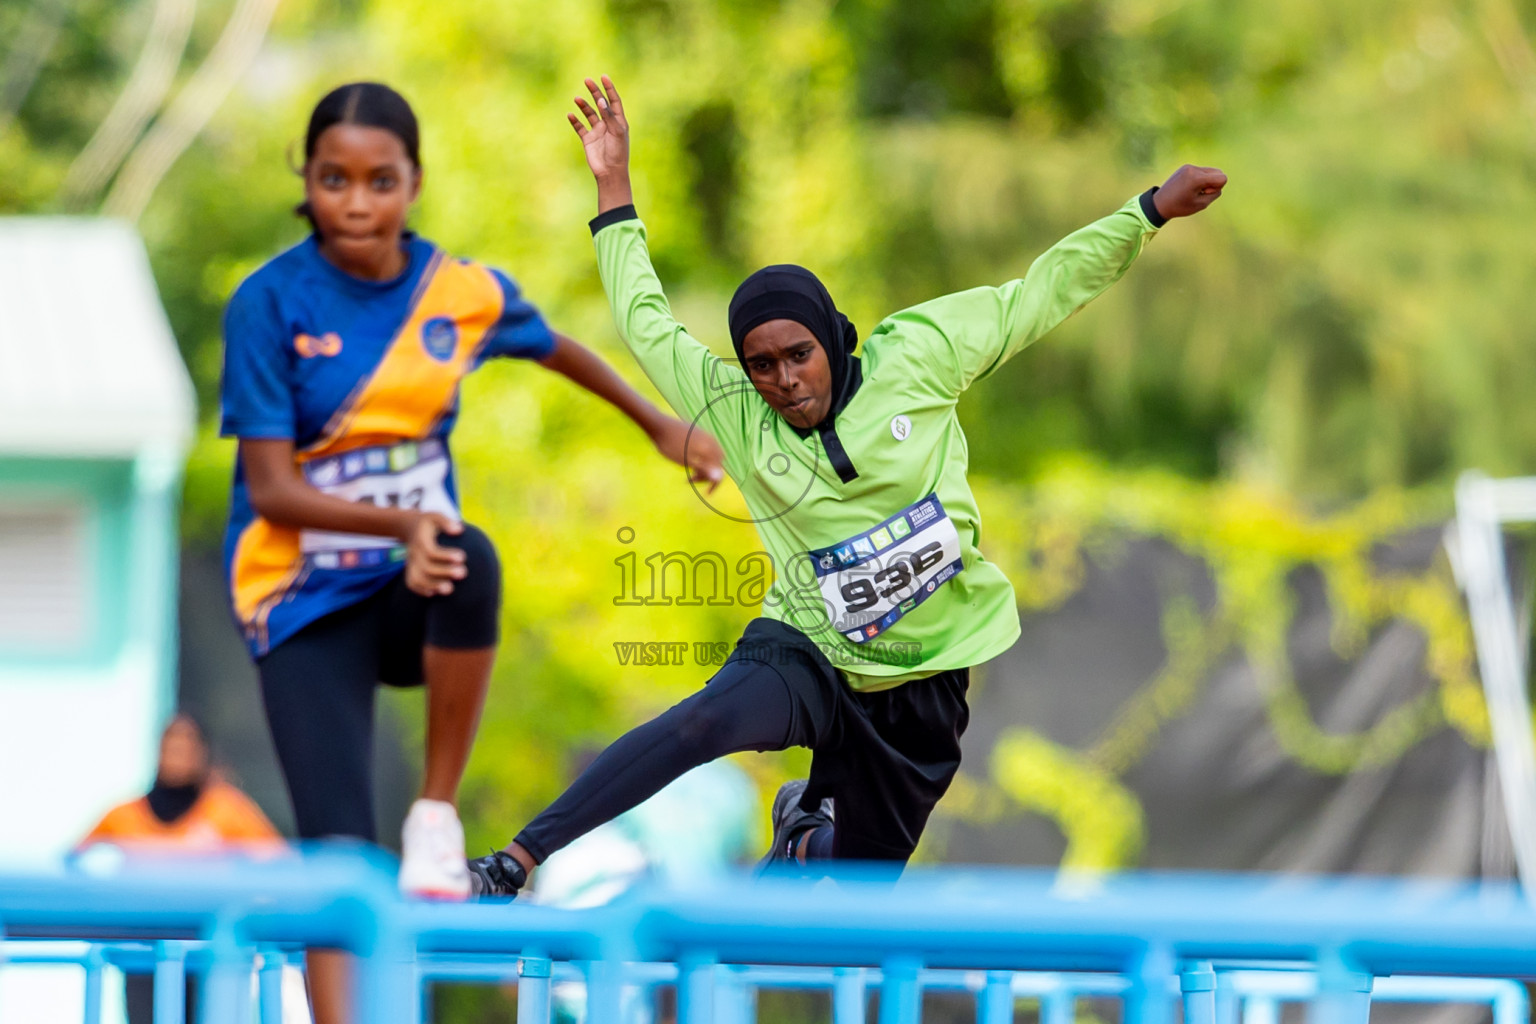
[[432, 885]]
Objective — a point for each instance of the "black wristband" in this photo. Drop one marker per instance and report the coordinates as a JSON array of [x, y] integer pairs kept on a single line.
[[1148, 208], [613, 216]]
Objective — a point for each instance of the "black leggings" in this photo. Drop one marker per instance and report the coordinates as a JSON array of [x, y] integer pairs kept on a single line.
[[318, 684], [746, 706], [886, 757]]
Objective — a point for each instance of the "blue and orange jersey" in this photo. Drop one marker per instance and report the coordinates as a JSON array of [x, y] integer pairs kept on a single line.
[[363, 377]]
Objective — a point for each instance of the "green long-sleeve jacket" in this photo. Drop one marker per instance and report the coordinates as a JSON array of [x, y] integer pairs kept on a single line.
[[883, 571]]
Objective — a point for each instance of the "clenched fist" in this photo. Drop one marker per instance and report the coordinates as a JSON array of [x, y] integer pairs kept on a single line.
[[1188, 191]]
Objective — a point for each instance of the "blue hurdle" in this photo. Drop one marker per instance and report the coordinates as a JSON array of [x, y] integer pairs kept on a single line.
[[1256, 994], [989, 931]]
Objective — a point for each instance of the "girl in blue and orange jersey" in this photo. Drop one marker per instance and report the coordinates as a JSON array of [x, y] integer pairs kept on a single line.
[[348, 562]]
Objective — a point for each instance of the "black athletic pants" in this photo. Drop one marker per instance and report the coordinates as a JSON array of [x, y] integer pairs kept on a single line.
[[885, 758], [318, 684]]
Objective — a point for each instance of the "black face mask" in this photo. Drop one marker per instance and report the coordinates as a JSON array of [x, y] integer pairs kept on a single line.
[[168, 803], [788, 292]]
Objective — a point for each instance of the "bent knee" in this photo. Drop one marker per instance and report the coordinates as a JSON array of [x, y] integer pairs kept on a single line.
[[479, 553], [468, 617], [700, 723]]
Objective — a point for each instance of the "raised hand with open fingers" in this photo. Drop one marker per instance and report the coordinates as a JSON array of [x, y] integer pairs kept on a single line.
[[603, 130], [1189, 190]]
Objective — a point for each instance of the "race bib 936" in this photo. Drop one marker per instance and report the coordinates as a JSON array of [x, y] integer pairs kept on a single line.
[[872, 579]]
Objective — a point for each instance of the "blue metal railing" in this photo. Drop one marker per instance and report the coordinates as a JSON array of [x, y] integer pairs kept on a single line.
[[1149, 939], [1252, 996]]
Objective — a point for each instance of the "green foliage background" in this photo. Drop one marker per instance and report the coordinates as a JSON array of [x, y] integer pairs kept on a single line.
[[1350, 322]]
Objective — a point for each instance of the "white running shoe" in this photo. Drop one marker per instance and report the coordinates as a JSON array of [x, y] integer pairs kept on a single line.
[[432, 853]]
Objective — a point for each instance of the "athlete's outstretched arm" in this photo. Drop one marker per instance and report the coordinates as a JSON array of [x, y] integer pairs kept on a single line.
[[696, 383], [696, 450], [963, 337]]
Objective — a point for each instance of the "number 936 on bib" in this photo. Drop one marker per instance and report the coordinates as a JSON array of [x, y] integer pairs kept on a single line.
[[872, 579]]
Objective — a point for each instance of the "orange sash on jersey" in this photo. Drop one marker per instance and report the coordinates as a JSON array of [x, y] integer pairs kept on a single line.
[[403, 399]]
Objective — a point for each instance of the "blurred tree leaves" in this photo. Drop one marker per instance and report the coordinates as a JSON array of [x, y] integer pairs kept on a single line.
[[1353, 314]]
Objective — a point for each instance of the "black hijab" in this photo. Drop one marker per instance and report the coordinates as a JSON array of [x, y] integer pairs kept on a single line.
[[789, 292]]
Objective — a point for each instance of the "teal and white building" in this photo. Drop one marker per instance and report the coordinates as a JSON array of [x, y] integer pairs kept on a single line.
[[96, 415]]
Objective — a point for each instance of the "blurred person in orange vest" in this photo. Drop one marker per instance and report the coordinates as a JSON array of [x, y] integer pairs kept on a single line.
[[189, 809]]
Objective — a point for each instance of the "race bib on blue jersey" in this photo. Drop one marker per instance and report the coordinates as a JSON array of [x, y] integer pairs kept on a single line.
[[413, 475], [872, 579]]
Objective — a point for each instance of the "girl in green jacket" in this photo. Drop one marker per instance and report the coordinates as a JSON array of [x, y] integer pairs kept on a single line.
[[854, 469]]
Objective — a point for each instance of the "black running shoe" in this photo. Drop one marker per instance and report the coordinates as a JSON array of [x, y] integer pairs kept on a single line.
[[790, 822], [496, 874]]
